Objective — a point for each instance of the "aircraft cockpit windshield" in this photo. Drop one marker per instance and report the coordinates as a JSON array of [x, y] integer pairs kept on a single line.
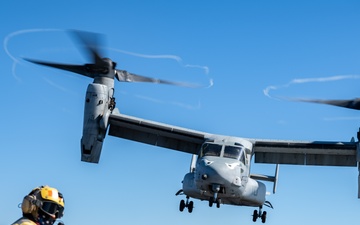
[[210, 149], [233, 152]]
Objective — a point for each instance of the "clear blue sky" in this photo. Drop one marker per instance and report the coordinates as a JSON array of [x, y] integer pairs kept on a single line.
[[247, 46]]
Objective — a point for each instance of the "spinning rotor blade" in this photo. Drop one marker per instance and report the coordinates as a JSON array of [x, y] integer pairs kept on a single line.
[[90, 42], [350, 104], [125, 76], [102, 67], [80, 69]]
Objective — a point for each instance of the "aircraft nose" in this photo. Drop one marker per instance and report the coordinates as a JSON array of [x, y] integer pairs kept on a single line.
[[215, 172]]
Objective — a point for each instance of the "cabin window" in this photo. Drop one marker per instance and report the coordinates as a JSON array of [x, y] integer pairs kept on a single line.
[[208, 149]]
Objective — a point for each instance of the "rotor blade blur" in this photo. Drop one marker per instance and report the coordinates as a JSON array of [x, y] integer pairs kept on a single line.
[[125, 76], [350, 104], [80, 69], [90, 43]]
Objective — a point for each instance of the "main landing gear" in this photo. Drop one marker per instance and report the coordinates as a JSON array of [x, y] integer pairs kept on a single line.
[[188, 204], [261, 214], [185, 204]]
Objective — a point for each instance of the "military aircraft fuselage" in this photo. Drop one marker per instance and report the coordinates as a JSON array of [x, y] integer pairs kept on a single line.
[[222, 175]]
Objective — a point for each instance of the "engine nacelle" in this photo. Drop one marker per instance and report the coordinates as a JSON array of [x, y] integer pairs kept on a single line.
[[95, 125]]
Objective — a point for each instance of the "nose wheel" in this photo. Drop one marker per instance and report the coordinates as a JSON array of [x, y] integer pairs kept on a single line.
[[215, 188], [215, 200]]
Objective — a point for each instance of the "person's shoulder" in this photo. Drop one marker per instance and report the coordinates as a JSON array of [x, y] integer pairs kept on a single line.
[[23, 221]]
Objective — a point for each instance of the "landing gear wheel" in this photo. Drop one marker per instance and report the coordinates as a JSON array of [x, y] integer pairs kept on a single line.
[[218, 202], [182, 205], [190, 206], [211, 201], [255, 215], [263, 217]]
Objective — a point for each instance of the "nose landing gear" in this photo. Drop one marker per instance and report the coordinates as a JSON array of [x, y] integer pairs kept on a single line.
[[216, 200], [215, 188]]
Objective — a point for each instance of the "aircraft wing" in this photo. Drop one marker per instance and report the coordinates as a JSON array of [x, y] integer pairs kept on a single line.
[[265, 151], [306, 153], [154, 133]]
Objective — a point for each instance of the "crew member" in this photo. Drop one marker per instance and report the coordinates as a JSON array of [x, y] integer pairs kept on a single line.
[[42, 206]]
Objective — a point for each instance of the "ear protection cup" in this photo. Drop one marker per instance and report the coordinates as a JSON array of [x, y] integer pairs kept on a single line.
[[29, 204]]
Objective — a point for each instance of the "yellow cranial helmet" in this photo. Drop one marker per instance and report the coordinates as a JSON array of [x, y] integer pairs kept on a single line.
[[47, 199], [53, 201]]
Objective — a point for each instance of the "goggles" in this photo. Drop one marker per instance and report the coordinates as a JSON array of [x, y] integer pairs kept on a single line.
[[52, 208]]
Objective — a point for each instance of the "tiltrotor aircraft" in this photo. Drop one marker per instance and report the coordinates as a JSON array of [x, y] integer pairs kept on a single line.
[[220, 165]]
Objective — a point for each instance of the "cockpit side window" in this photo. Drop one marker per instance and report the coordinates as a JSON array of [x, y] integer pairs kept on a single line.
[[208, 149], [242, 157]]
